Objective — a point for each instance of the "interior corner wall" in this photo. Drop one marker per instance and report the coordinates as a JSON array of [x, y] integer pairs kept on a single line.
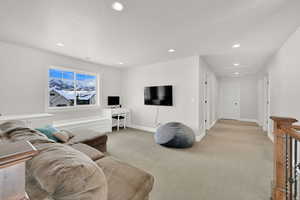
[[182, 74], [202, 77], [284, 73], [213, 85], [23, 80], [207, 92], [261, 101]]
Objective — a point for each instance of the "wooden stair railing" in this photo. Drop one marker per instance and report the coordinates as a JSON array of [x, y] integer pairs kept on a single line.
[[286, 166]]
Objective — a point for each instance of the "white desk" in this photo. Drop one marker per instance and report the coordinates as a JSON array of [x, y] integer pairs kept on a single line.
[[119, 111], [111, 112]]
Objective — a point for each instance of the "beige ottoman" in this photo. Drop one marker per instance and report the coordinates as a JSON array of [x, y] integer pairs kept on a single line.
[[125, 182]]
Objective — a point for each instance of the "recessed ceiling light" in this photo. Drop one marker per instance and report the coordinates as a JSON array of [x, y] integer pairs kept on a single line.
[[117, 6], [236, 64], [121, 63], [60, 44], [171, 50], [236, 45], [236, 73]]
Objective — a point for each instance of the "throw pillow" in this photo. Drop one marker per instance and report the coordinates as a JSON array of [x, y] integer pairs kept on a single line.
[[49, 130], [62, 136], [70, 134]]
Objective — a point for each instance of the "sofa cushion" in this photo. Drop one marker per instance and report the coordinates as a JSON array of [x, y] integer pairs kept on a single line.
[[64, 173], [61, 136], [82, 135], [8, 126], [125, 182], [13, 131], [91, 152]]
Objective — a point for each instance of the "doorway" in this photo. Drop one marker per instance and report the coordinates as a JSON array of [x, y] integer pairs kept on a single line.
[[230, 99], [206, 103], [267, 125]]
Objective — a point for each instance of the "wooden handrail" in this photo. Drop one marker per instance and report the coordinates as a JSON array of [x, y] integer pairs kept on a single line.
[[293, 133], [284, 133], [296, 127], [280, 122]]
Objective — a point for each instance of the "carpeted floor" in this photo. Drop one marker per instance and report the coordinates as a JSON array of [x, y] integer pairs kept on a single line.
[[233, 162]]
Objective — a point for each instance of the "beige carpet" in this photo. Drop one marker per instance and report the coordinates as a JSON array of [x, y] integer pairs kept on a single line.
[[233, 162]]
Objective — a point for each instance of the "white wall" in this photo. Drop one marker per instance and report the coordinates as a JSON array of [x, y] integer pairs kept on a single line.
[[248, 101], [261, 101], [23, 80], [248, 96], [187, 75], [284, 74], [181, 73]]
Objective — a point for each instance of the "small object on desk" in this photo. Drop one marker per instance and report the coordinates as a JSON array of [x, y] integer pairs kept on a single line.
[[113, 100], [12, 169]]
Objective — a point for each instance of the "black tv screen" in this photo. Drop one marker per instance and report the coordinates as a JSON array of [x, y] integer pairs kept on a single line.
[[113, 100], [158, 95]]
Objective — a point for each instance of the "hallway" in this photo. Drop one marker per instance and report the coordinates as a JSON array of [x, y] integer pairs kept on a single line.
[[233, 162]]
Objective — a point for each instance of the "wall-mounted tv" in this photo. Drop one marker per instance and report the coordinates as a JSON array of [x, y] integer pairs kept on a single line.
[[158, 95], [113, 100]]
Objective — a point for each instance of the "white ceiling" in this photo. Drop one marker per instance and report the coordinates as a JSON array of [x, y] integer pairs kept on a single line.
[[146, 29]]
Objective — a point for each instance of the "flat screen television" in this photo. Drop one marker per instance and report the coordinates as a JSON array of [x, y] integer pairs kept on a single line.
[[113, 100], [158, 95]]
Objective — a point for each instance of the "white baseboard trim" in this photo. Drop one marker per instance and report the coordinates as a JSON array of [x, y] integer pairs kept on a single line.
[[212, 125], [248, 120], [152, 130], [200, 137], [143, 128], [271, 137]]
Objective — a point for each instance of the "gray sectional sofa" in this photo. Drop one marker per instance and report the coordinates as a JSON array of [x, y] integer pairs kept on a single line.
[[76, 171]]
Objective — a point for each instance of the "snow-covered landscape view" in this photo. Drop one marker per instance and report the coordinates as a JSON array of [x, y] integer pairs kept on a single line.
[[69, 88]]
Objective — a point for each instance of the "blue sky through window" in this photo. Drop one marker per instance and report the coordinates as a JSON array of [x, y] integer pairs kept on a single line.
[[83, 77], [68, 75], [54, 73]]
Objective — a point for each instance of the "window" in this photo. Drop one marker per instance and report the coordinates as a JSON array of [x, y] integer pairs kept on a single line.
[[69, 88]]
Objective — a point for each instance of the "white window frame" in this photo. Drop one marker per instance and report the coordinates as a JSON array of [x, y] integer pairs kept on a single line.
[[75, 107]]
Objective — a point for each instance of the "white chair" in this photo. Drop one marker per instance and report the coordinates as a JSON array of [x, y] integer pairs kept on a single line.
[[121, 119]]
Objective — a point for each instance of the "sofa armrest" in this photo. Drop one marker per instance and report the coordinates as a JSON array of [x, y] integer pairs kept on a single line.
[[91, 152]]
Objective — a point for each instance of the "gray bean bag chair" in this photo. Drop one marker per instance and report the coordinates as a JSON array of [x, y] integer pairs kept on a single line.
[[175, 134]]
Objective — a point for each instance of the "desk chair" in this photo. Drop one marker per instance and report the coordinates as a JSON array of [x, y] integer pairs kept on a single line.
[[121, 117]]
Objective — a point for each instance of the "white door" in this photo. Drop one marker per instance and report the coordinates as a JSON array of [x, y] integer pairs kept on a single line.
[[206, 102], [230, 99], [267, 124]]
